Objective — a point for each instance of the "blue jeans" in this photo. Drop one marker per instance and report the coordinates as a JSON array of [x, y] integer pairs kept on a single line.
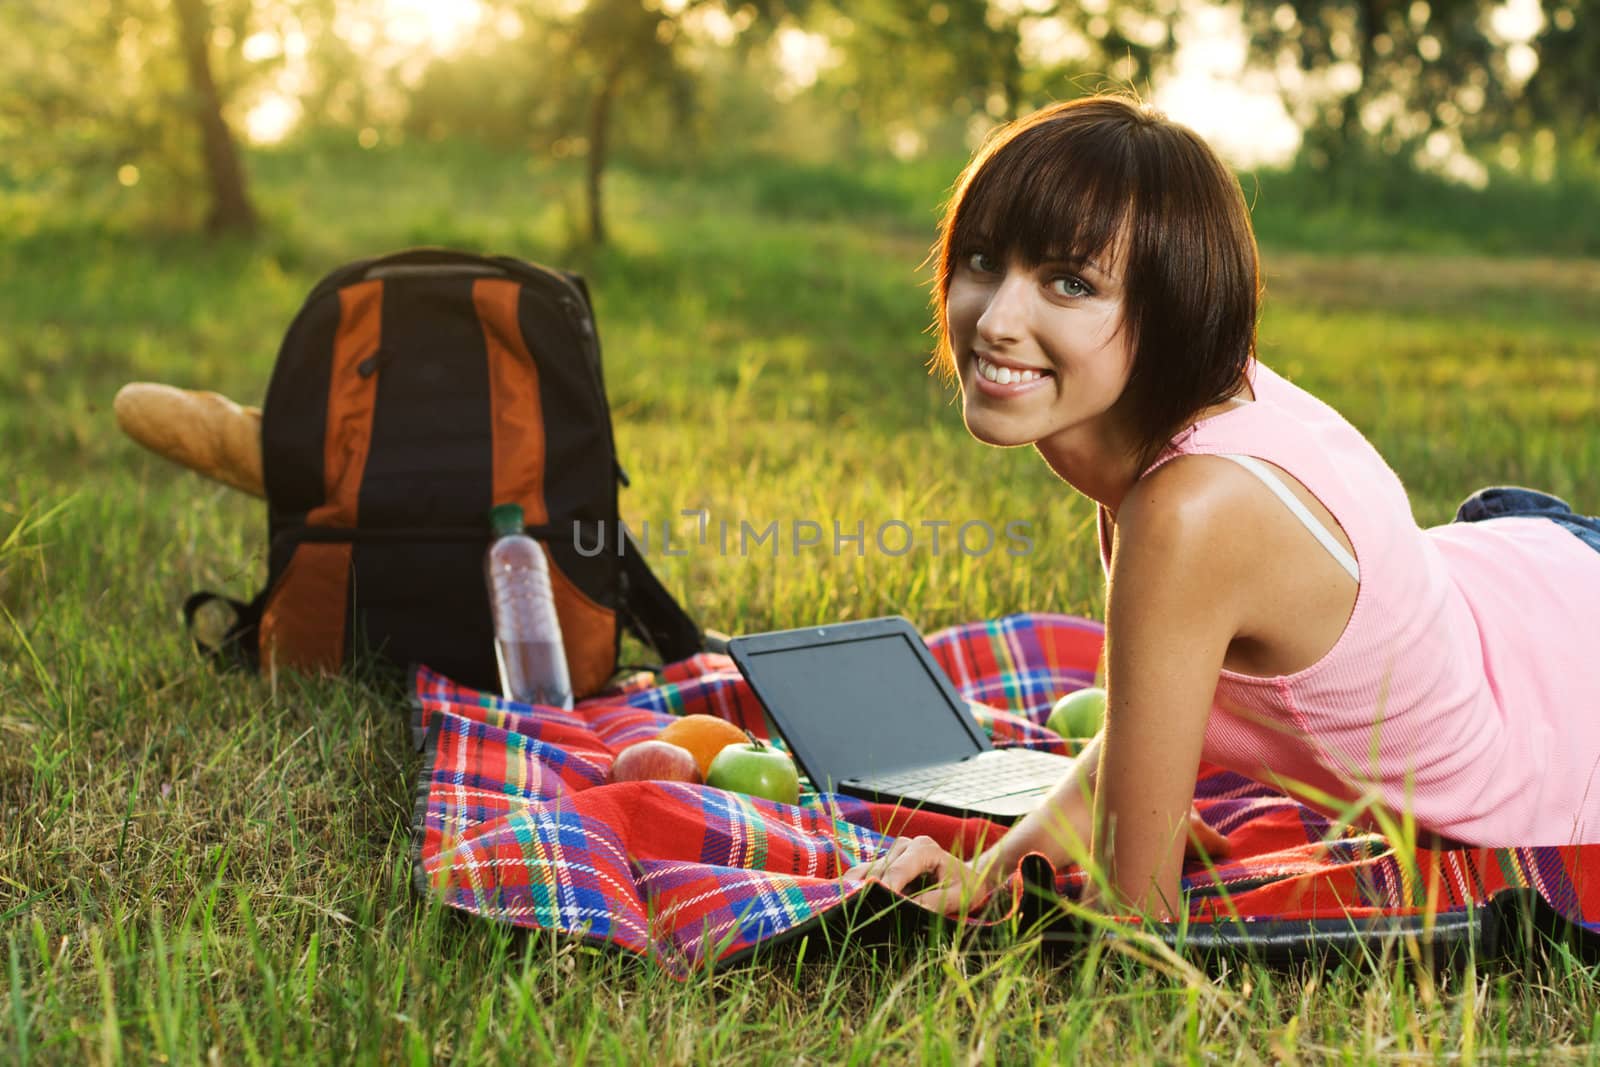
[[1501, 501]]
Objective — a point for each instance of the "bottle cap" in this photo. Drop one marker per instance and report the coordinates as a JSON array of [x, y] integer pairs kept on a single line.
[[506, 519]]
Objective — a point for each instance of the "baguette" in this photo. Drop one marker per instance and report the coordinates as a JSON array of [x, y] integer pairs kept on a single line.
[[206, 432]]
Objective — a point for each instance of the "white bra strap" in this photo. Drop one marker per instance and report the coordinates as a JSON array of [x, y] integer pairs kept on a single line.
[[1273, 482]]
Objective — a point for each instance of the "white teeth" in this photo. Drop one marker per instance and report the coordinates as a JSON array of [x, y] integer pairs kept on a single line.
[[1006, 375]]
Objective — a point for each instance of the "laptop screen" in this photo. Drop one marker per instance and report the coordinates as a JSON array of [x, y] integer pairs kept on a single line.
[[860, 707]]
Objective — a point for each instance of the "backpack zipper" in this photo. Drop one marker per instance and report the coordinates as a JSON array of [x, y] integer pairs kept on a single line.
[[573, 305]]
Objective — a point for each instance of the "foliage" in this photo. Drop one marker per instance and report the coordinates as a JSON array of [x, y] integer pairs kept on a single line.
[[907, 65], [939, 75], [58, 126], [96, 95], [457, 95], [1364, 76], [96, 112], [1380, 71], [1563, 95]]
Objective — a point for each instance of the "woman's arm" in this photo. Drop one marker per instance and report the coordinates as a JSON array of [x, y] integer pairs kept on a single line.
[[1059, 828], [1177, 588], [1174, 601]]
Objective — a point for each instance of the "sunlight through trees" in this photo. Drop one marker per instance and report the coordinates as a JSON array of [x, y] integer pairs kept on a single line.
[[165, 89]]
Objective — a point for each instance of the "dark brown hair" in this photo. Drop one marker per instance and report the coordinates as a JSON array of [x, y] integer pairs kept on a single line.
[[1077, 179]]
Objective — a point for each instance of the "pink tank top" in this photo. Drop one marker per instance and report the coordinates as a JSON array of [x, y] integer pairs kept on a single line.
[[1466, 684]]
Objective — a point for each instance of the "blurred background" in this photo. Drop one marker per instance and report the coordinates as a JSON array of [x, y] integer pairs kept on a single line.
[[174, 115]]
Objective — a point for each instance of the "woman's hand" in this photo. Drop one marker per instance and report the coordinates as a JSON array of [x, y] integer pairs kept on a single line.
[[1202, 835], [958, 887]]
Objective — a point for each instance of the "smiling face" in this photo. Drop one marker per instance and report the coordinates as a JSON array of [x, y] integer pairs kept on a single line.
[[1040, 349], [1097, 284]]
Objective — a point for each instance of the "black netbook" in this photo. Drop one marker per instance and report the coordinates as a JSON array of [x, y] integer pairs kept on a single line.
[[867, 711]]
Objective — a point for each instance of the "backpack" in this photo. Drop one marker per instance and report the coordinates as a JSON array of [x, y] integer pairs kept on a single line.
[[411, 394]]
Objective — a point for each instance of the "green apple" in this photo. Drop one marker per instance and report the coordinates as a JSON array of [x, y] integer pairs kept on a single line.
[[756, 769], [1080, 713]]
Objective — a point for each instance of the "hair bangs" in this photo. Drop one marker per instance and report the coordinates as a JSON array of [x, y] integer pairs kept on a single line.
[[1044, 196]]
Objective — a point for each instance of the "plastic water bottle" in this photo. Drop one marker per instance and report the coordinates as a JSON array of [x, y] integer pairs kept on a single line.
[[527, 634]]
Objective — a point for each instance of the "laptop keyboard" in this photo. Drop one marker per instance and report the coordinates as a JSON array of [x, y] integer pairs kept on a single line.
[[983, 777]]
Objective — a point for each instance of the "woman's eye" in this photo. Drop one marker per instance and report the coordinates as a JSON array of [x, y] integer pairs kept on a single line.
[[1069, 286], [982, 263]]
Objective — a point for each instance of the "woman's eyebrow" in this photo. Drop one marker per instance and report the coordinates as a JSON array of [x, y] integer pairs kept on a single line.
[[1075, 260]]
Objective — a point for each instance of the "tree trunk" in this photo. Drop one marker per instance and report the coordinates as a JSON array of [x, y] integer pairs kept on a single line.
[[1369, 23], [231, 210], [599, 138]]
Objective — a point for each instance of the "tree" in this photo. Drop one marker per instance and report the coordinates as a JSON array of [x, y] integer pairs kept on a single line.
[[618, 46], [231, 210], [623, 39], [908, 60], [1115, 45], [917, 65], [1563, 95], [131, 92], [1381, 74]]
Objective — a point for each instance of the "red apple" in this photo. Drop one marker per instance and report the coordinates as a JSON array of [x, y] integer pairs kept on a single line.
[[659, 761], [756, 769]]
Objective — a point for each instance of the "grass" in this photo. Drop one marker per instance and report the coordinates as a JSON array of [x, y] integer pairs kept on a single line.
[[195, 867]]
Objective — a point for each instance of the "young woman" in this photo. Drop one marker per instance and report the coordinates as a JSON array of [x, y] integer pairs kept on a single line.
[[1271, 604]]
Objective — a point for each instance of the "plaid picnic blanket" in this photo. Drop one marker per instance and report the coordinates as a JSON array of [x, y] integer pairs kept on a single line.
[[514, 821]]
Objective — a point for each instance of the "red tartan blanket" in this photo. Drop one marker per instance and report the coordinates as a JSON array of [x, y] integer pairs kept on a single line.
[[514, 821]]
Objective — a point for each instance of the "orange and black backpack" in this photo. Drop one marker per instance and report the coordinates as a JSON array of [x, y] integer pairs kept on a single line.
[[414, 392]]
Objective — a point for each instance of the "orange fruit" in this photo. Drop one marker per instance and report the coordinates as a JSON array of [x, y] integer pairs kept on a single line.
[[703, 735]]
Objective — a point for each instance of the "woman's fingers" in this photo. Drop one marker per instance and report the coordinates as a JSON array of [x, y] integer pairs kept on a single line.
[[1202, 835], [960, 888], [878, 866], [945, 899], [957, 888], [906, 860], [909, 860]]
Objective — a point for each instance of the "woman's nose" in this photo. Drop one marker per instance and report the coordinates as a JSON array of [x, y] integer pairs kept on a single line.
[[1003, 313]]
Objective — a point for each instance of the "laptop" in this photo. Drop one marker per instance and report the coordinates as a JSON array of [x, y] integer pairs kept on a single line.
[[866, 711]]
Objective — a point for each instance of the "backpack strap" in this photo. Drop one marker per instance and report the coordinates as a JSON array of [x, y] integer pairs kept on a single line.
[[238, 649], [649, 611]]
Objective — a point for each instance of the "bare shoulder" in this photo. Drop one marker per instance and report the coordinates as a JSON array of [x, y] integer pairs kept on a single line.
[[1200, 538], [1191, 501], [1187, 528]]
